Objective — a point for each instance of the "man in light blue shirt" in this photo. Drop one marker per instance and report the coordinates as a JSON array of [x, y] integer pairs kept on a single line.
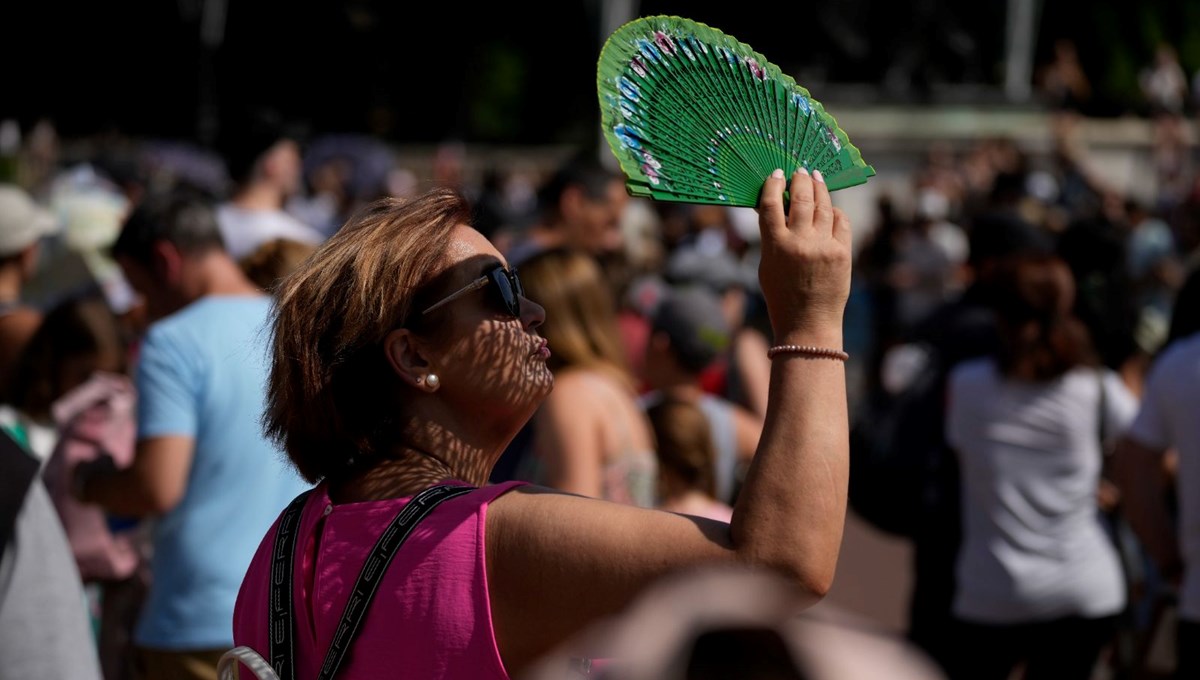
[[203, 466]]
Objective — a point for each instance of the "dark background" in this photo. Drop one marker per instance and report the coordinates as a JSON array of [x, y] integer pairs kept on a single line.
[[516, 73]]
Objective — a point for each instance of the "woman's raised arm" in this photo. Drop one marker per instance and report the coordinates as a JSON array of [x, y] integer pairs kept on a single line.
[[558, 562]]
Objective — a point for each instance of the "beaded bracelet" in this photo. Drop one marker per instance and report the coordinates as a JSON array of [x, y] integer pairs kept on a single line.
[[808, 351]]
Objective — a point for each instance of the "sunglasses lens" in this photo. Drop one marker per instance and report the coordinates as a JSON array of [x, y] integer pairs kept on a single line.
[[512, 274], [510, 291]]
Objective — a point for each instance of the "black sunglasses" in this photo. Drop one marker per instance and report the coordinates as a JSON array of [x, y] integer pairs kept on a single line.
[[507, 284]]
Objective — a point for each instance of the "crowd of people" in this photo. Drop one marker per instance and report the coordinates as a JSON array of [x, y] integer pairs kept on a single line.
[[211, 362], [1021, 314]]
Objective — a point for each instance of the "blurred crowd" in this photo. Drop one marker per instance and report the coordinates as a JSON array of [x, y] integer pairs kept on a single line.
[[1019, 308]]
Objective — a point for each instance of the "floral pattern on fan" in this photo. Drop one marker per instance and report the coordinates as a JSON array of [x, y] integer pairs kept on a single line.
[[695, 116]]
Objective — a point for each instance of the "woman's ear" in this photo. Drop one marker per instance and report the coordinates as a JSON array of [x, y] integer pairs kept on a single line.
[[407, 357]]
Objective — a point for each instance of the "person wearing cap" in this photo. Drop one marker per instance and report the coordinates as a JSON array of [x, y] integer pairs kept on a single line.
[[743, 371], [23, 224], [688, 333]]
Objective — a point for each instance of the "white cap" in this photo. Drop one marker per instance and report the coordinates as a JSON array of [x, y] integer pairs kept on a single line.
[[22, 221]]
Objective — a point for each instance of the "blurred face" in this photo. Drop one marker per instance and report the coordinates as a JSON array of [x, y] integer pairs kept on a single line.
[[153, 294], [160, 298], [283, 166], [488, 360], [594, 224]]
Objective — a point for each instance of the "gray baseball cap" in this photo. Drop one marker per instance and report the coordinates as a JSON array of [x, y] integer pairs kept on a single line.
[[719, 271], [694, 322], [22, 221]]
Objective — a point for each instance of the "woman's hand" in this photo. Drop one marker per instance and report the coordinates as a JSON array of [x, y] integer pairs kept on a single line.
[[806, 257]]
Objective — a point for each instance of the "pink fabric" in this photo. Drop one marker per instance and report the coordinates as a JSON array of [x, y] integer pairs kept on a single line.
[[431, 617], [95, 419]]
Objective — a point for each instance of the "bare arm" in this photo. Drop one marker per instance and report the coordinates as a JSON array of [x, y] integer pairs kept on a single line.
[[557, 563], [1139, 473], [152, 485]]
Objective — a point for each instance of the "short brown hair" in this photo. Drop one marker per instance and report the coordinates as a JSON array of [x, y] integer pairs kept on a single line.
[[329, 401]]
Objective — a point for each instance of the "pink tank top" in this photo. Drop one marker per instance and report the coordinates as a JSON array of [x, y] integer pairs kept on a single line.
[[431, 617]]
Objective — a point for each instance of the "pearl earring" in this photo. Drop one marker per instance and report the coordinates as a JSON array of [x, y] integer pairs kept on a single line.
[[433, 381]]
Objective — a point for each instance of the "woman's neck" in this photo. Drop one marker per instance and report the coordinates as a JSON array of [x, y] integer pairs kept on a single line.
[[389, 478], [405, 470]]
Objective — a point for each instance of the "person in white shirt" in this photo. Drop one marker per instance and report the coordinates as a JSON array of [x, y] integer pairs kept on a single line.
[[264, 162], [1166, 423], [1039, 581]]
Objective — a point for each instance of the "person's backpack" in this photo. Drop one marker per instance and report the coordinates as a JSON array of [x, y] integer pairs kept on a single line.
[[897, 448]]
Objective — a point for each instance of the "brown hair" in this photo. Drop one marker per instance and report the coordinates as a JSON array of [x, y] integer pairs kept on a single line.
[[331, 395], [273, 260], [685, 445], [1041, 338], [581, 318], [79, 334]]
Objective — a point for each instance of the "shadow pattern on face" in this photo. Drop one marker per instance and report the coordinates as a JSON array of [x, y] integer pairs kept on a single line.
[[492, 380]]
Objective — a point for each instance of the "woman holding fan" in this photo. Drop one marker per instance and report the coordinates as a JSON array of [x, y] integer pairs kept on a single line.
[[406, 357]]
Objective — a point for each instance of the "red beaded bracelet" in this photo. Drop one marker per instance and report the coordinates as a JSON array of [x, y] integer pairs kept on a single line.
[[808, 351]]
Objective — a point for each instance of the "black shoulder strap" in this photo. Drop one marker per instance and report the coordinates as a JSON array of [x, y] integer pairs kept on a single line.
[[280, 636], [17, 472], [282, 616]]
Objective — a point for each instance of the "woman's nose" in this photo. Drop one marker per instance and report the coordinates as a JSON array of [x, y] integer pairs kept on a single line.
[[532, 314]]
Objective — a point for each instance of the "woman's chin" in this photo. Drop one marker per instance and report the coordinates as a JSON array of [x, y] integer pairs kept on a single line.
[[543, 380]]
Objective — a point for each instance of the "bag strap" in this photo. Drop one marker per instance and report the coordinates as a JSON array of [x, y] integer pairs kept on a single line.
[[281, 647]]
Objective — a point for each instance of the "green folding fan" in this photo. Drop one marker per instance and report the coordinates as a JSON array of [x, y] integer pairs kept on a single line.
[[694, 116]]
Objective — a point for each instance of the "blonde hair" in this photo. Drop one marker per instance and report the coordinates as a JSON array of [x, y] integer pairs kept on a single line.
[[581, 318], [331, 395]]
